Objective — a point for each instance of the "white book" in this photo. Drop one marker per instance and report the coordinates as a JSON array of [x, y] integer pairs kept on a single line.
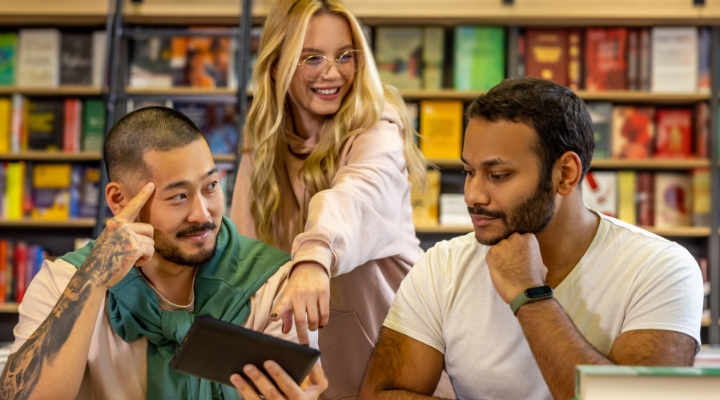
[[16, 125], [453, 210], [674, 59], [599, 192], [98, 55], [38, 58]]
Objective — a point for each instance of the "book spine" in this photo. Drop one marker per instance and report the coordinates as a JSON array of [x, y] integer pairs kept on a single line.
[[574, 59], [20, 268], [3, 270], [17, 123], [645, 64], [5, 124], [633, 59], [646, 199], [626, 196]]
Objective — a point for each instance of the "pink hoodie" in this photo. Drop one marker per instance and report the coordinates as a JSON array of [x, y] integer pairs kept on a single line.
[[360, 229]]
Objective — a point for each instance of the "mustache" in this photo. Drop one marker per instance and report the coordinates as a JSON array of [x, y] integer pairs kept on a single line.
[[486, 212], [208, 226]]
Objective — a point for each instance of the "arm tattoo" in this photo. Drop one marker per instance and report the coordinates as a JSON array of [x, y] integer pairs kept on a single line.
[[24, 368]]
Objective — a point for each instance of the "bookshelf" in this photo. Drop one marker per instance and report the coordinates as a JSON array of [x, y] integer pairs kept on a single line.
[[56, 91], [614, 96], [77, 157], [9, 307], [615, 164], [33, 223], [684, 232]]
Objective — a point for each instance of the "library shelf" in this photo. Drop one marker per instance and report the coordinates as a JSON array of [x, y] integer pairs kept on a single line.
[[180, 91], [610, 163], [68, 90], [58, 156], [9, 307], [32, 223], [683, 231], [614, 96]]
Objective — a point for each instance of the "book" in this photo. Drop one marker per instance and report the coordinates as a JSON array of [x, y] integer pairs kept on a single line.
[[633, 59], [5, 123], [645, 62], [21, 256], [76, 59], [673, 192], [522, 54], [38, 58], [425, 203], [72, 122], [479, 57], [574, 59], [3, 270], [633, 132], [599, 192], [218, 123], [646, 198], [702, 129], [14, 187], [201, 61], [605, 59], [547, 54], [86, 188], [17, 124], [441, 124], [94, 115], [453, 210], [601, 115], [627, 206], [701, 196], [8, 55], [674, 59], [45, 124], [51, 189], [615, 382], [150, 63], [704, 60], [398, 52], [433, 56], [673, 133], [99, 47]]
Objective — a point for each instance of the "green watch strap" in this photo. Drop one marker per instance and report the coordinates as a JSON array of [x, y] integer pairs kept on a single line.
[[523, 298]]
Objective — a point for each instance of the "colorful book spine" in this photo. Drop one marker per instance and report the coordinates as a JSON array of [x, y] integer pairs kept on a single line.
[[5, 124], [574, 59], [626, 196], [441, 124], [479, 57], [673, 138], [8, 55], [701, 197], [547, 55]]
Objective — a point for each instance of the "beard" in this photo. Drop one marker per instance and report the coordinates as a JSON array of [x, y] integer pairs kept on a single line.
[[170, 251], [531, 216]]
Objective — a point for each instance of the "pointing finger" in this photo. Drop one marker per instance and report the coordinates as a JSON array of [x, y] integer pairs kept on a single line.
[[132, 209]]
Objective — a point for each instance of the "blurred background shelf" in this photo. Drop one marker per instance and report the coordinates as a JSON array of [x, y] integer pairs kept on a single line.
[[616, 164], [53, 91], [688, 231], [31, 223]]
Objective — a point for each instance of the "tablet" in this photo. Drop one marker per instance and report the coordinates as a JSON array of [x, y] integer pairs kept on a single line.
[[214, 350]]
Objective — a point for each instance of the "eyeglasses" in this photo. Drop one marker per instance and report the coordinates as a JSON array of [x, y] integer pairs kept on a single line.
[[315, 67]]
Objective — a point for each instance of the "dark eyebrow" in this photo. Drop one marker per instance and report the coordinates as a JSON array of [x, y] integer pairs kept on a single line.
[[490, 163], [178, 184]]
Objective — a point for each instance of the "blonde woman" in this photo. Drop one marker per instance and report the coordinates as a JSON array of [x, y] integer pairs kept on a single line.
[[327, 178]]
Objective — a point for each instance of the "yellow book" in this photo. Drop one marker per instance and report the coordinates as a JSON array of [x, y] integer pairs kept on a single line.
[[425, 202], [626, 197], [51, 187], [441, 129], [701, 196], [5, 116], [14, 178]]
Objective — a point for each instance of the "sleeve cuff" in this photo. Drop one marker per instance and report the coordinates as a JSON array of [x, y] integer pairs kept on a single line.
[[314, 251]]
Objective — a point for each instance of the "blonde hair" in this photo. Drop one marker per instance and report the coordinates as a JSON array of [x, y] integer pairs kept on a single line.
[[280, 48]]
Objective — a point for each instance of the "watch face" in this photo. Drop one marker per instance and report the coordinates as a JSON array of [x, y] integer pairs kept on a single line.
[[538, 292]]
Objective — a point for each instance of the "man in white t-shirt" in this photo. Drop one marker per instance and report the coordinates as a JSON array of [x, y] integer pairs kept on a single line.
[[543, 284]]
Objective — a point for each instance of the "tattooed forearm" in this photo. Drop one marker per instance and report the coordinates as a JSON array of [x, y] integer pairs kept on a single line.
[[24, 368]]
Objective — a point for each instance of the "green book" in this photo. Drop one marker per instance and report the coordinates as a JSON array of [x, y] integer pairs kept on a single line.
[[479, 57], [93, 125], [605, 382], [8, 51]]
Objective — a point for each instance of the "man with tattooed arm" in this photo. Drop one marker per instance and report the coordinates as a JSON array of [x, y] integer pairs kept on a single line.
[[104, 321]]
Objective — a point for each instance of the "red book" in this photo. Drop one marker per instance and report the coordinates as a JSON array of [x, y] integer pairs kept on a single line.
[[547, 53], [605, 59], [646, 199], [633, 132], [20, 270], [3, 270], [71, 128], [574, 59], [674, 133], [633, 59]]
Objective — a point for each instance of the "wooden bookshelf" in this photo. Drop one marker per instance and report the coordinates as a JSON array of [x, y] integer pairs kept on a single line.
[[31, 223], [52, 91], [179, 91], [609, 163], [689, 231], [58, 156], [614, 96], [9, 307]]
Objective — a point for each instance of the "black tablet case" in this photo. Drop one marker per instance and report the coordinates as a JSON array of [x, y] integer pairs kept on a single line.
[[214, 350]]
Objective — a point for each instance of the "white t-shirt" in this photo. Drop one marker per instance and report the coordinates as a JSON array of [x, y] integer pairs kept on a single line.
[[628, 279]]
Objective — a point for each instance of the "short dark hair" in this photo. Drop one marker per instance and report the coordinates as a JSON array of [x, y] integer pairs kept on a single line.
[[557, 114], [147, 129]]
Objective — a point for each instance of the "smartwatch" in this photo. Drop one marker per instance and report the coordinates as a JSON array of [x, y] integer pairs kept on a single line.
[[532, 294]]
